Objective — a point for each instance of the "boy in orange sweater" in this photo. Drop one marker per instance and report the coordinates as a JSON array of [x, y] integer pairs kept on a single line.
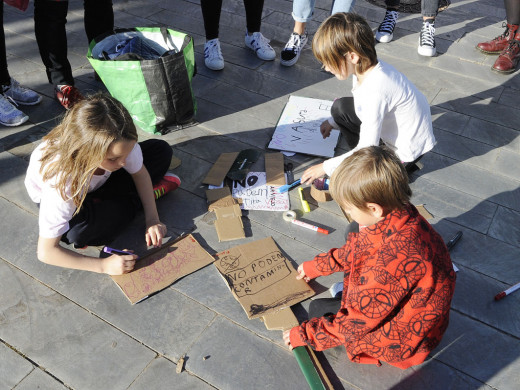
[[398, 276]]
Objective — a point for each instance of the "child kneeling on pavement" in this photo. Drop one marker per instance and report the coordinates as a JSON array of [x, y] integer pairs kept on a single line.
[[398, 276]]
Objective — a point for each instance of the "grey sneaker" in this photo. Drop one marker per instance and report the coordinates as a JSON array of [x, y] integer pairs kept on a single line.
[[293, 49], [9, 114], [260, 45], [21, 95]]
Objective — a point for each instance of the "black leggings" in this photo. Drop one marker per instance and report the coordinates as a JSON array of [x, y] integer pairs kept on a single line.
[[5, 79], [512, 11], [50, 18], [211, 15], [108, 210]]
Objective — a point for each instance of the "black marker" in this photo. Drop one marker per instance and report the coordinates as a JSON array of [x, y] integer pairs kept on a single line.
[[451, 243]]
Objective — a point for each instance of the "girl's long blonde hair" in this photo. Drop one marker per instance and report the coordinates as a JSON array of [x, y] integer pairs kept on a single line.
[[78, 145], [344, 33]]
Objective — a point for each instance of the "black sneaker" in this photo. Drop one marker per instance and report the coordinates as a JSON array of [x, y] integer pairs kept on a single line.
[[293, 49], [385, 32], [427, 39]]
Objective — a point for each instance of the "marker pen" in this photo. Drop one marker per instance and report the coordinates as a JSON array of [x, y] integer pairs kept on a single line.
[[309, 226], [305, 204], [112, 251], [510, 290]]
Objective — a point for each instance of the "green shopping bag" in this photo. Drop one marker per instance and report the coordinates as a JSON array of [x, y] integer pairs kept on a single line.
[[154, 85]]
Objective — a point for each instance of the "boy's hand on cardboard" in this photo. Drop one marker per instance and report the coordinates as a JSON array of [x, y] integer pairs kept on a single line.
[[119, 264], [325, 129], [287, 338], [155, 232], [312, 173], [301, 274]]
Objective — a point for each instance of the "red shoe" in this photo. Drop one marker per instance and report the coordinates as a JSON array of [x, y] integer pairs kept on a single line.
[[168, 183], [68, 95], [508, 59], [495, 46]]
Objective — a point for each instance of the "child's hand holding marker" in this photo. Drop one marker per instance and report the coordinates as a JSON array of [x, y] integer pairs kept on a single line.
[[121, 261]]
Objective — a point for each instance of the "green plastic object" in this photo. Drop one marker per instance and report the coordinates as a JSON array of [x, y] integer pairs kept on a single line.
[[308, 369]]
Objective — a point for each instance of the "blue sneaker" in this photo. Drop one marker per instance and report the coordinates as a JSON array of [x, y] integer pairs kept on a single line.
[[9, 114]]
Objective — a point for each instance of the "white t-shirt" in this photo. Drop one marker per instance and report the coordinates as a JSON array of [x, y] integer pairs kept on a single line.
[[390, 107], [55, 213]]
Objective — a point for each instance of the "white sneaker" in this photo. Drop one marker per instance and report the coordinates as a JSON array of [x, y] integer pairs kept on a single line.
[[335, 289], [427, 39], [21, 95], [260, 44], [213, 55], [292, 50], [9, 114], [385, 32]]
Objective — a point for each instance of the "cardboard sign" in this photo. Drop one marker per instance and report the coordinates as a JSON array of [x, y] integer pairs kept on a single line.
[[257, 195], [275, 175], [161, 268], [298, 129], [229, 223], [261, 278], [219, 170]]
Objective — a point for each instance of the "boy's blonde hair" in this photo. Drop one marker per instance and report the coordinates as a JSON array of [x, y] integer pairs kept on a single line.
[[340, 34], [79, 144], [371, 175]]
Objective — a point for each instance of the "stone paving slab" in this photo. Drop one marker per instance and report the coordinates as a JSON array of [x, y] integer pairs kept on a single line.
[[40, 380], [13, 367]]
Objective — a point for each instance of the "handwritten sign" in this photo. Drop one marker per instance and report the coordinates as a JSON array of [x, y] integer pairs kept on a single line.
[[298, 129], [261, 278], [163, 267], [257, 195]]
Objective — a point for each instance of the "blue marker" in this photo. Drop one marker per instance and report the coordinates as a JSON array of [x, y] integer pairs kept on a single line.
[[107, 249], [287, 187]]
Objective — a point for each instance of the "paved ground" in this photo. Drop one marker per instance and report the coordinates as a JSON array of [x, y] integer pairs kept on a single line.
[[70, 329]]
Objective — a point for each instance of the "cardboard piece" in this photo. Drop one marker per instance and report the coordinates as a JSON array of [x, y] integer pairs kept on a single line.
[[274, 169], [318, 193], [261, 278], [162, 267], [298, 129], [219, 170], [219, 197], [422, 210], [175, 162], [229, 223], [281, 320], [257, 195]]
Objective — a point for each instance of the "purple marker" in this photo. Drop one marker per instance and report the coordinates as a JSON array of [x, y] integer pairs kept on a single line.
[[107, 249]]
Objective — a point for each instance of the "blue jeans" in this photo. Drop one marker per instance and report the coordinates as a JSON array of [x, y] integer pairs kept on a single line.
[[303, 9]]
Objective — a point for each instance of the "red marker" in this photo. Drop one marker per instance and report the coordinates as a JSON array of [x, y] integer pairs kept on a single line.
[[510, 290], [309, 226]]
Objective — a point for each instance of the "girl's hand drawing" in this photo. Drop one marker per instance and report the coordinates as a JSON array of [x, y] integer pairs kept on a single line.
[[325, 129], [118, 265], [301, 274], [155, 233], [286, 338], [312, 173]]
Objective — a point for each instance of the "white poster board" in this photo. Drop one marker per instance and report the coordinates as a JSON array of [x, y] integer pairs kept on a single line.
[[298, 129], [257, 195]]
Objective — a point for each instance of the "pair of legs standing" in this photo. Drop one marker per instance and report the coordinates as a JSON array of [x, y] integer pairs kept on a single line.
[[429, 10], [507, 45], [50, 17], [11, 90], [302, 13], [254, 39]]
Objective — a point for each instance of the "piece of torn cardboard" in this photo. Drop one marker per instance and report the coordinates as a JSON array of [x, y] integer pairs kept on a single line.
[[274, 172], [281, 320], [162, 267], [422, 210], [229, 223], [219, 170], [174, 163], [261, 278], [219, 197]]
